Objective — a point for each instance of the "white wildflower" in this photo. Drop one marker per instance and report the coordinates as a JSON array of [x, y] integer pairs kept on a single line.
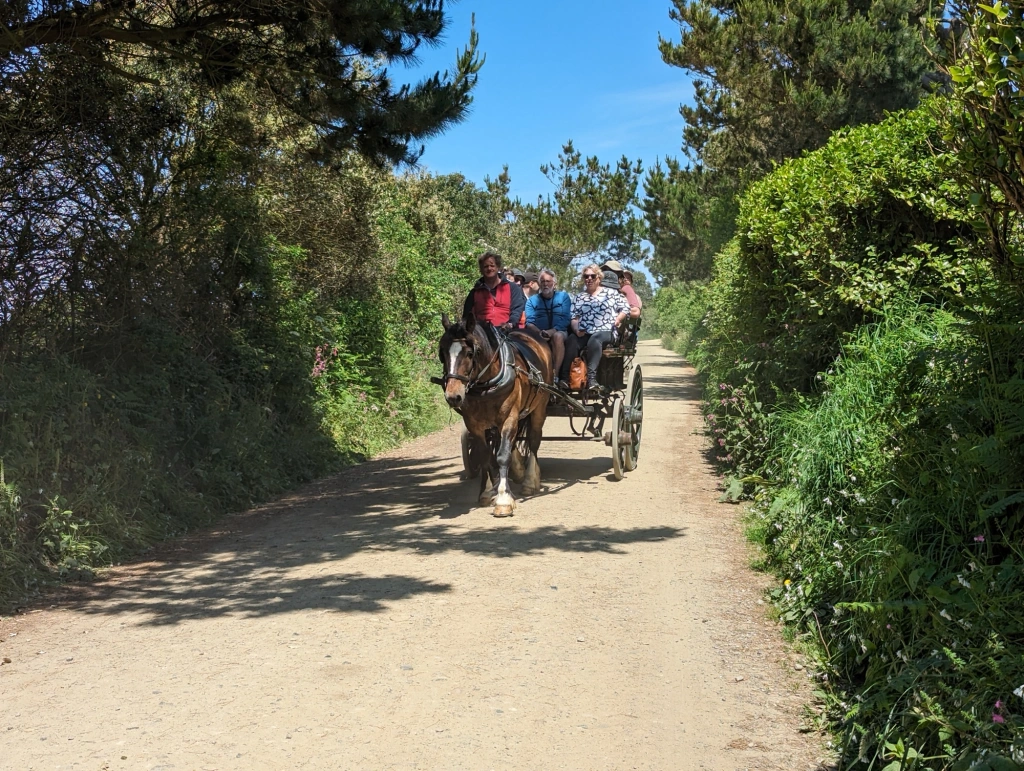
[[963, 581], [945, 615]]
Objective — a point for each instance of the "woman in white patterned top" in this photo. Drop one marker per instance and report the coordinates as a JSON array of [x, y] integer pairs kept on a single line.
[[596, 312]]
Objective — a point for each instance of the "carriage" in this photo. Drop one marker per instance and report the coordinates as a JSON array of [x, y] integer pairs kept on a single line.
[[614, 417]]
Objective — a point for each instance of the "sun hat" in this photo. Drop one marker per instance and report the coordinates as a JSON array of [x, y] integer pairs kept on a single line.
[[612, 265], [610, 280]]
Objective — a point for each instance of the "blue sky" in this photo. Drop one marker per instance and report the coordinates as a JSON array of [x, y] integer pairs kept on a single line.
[[558, 70]]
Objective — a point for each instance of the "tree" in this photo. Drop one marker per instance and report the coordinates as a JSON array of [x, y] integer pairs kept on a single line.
[[592, 214], [324, 64], [776, 78], [772, 80], [690, 215]]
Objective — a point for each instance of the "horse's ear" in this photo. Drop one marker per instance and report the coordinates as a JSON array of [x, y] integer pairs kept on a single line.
[[445, 322], [469, 321]]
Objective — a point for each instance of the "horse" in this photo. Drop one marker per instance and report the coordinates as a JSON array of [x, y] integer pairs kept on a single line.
[[487, 379]]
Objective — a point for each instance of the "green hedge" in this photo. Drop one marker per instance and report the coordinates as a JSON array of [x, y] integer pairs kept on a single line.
[[864, 385], [162, 424]]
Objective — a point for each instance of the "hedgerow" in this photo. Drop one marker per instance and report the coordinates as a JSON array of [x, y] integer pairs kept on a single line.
[[290, 332], [864, 377]]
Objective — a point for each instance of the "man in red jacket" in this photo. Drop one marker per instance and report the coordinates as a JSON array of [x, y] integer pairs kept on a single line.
[[493, 298]]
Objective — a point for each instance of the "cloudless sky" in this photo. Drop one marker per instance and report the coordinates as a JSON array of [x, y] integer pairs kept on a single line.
[[586, 70]]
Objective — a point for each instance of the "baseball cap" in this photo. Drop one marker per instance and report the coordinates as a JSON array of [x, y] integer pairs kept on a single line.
[[613, 265], [529, 278]]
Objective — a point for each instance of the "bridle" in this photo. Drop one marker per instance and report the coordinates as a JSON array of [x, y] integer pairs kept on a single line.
[[504, 377]]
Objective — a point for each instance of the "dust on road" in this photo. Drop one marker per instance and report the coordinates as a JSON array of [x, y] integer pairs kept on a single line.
[[380, 620]]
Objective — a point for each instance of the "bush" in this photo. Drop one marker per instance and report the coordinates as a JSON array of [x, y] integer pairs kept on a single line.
[[316, 357], [824, 243], [865, 384], [893, 514], [676, 315]]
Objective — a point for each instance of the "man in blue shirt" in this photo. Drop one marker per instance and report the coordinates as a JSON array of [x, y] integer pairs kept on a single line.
[[548, 312]]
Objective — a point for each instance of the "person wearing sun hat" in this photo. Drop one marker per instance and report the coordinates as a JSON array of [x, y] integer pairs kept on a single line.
[[622, 285]]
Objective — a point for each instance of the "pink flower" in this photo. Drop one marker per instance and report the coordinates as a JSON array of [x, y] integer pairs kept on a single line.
[[999, 704], [721, 443], [998, 718], [979, 539]]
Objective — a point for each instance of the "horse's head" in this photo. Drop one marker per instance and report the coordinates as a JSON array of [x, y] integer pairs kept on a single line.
[[464, 352]]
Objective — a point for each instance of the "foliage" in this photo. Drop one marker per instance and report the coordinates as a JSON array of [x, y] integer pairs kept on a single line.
[[984, 57], [677, 314], [892, 510], [691, 215], [772, 80], [591, 215], [324, 65], [824, 243], [864, 374], [244, 320]]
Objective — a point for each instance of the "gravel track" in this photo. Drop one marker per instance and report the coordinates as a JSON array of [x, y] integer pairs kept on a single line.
[[379, 619]]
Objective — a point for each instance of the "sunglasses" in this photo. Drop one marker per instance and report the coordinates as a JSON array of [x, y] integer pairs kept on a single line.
[[587, 276]]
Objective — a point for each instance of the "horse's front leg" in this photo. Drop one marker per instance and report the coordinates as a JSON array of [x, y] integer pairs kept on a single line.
[[504, 503]]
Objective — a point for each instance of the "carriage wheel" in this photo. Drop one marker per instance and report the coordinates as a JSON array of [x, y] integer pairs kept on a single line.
[[619, 449], [635, 401]]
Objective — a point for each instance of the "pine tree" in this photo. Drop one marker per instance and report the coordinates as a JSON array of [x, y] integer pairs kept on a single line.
[[324, 64], [773, 79]]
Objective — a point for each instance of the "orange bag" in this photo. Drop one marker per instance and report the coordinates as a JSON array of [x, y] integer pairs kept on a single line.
[[577, 374]]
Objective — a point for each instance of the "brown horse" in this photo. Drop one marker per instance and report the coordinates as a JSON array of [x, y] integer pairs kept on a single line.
[[487, 380]]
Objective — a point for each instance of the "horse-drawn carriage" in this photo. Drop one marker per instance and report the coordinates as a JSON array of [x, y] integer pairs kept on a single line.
[[616, 414], [502, 386]]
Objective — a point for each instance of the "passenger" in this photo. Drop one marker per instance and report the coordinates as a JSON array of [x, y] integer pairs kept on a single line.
[[623, 286], [596, 312], [493, 298], [531, 285], [626, 287], [548, 311]]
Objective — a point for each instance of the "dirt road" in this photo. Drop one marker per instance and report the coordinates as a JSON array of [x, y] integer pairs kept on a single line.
[[380, 620]]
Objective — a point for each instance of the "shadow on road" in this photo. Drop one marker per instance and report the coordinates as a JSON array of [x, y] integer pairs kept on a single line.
[[258, 563]]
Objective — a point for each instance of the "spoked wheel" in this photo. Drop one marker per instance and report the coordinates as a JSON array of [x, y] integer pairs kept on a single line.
[[619, 438], [635, 415]]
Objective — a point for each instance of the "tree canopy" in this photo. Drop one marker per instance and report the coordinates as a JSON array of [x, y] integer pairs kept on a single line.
[[772, 80], [324, 63], [592, 213]]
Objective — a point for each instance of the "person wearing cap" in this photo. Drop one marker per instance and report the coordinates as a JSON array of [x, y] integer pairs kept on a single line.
[[494, 298], [596, 312], [548, 312], [620, 285], [531, 285]]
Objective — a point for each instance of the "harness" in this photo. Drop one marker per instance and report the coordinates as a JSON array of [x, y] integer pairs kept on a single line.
[[502, 381], [505, 353]]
